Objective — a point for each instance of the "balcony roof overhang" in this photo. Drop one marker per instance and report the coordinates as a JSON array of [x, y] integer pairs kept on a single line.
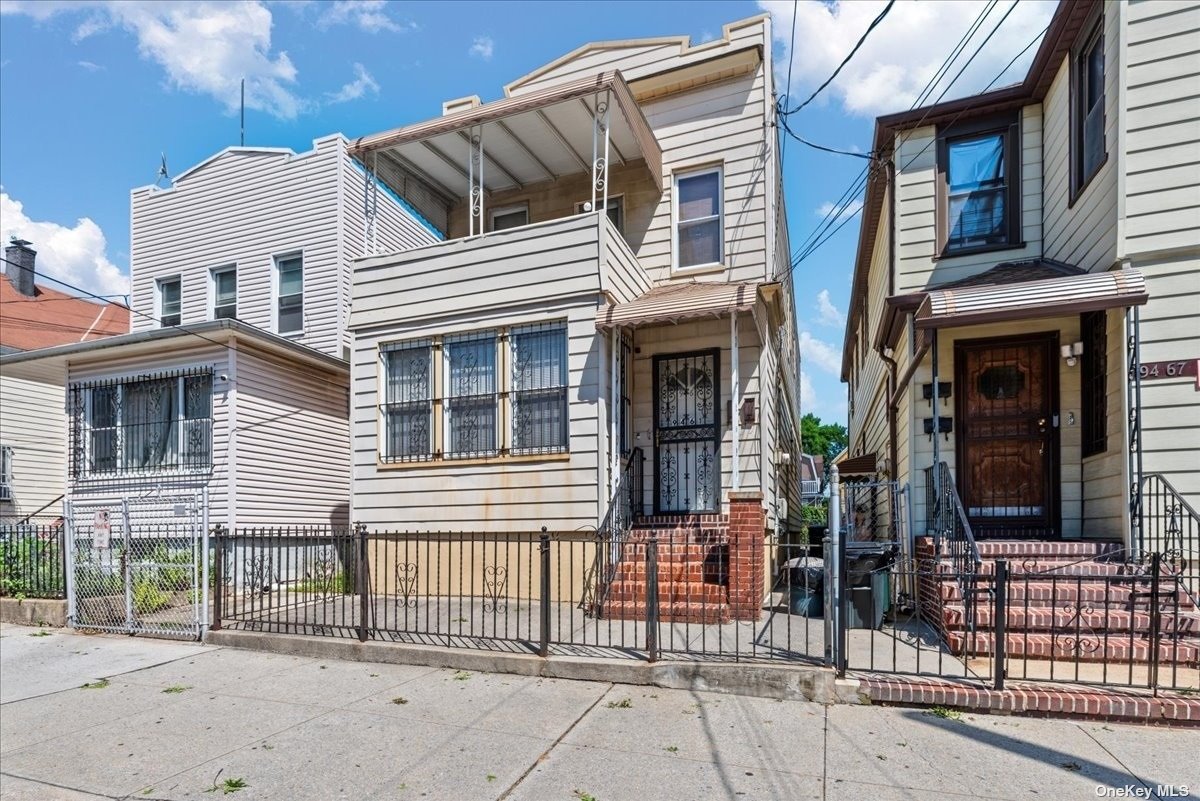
[[680, 302], [533, 138]]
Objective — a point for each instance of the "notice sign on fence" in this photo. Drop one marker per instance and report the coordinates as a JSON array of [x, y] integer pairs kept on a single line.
[[101, 530]]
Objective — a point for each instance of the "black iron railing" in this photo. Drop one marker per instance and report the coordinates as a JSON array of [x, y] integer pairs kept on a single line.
[[627, 505], [33, 560], [1169, 525]]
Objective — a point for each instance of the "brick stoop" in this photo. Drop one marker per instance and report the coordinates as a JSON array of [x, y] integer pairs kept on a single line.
[[1056, 700]]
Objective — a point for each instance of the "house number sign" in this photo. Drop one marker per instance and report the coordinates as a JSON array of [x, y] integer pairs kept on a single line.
[[1173, 369]]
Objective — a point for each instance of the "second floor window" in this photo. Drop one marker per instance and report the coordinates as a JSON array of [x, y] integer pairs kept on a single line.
[[290, 297], [509, 217], [699, 223], [225, 293], [1087, 108], [143, 424], [615, 208], [170, 302], [979, 187]]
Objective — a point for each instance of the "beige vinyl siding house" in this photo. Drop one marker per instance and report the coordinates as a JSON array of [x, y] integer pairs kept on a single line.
[[690, 150], [32, 429], [1111, 192]]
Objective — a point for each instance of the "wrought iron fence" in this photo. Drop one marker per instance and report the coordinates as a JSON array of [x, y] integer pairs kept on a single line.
[[1168, 524], [33, 560], [677, 591]]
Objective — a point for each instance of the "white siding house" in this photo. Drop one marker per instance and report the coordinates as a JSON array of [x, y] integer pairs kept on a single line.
[[578, 336]]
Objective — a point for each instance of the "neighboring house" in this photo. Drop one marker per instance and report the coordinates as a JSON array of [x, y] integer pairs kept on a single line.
[[232, 387], [32, 425], [812, 477], [1022, 252], [610, 318]]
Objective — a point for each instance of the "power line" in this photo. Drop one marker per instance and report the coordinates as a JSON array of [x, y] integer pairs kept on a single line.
[[791, 61], [787, 128], [846, 60]]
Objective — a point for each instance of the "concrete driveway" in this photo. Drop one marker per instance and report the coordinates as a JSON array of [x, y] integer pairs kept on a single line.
[[173, 721]]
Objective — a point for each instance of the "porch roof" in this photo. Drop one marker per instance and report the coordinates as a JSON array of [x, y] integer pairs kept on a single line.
[[535, 137], [1025, 300], [673, 303]]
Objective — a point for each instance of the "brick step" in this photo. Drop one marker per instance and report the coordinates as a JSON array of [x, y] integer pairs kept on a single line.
[[1123, 594], [670, 551], [1183, 651], [670, 592], [673, 521], [1117, 622], [1019, 549], [1057, 567], [671, 571], [676, 612]]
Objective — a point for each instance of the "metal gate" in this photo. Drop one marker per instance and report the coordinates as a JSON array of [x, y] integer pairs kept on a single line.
[[139, 565], [687, 432]]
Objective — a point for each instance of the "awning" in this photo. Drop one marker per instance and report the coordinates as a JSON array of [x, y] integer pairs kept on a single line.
[[673, 303], [864, 465], [540, 136], [1025, 300]]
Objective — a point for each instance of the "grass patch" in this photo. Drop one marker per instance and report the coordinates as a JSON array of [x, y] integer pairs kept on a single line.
[[175, 689], [461, 675], [491, 777], [584, 796], [624, 703], [99, 684], [39, 633], [945, 713], [228, 786]]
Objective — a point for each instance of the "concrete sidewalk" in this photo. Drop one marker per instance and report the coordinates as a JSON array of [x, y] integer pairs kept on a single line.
[[172, 724]]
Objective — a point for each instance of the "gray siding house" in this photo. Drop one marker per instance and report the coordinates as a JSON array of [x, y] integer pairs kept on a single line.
[[231, 389], [608, 321]]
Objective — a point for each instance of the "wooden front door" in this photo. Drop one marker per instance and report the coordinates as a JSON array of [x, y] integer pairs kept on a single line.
[[687, 432], [1007, 408]]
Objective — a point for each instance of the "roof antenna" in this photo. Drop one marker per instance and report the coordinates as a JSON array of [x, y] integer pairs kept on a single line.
[[243, 111], [162, 172]]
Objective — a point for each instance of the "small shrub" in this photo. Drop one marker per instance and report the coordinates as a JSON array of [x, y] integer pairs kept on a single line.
[[148, 598]]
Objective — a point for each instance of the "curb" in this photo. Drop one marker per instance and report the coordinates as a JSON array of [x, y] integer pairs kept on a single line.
[[794, 682]]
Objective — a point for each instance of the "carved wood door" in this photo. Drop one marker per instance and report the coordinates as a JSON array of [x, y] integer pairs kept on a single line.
[[1007, 407]]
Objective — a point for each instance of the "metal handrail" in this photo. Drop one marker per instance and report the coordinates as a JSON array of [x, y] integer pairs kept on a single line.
[[628, 502], [1174, 530], [43, 508]]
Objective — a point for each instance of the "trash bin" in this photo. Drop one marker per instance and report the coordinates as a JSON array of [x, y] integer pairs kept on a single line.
[[806, 585], [868, 583]]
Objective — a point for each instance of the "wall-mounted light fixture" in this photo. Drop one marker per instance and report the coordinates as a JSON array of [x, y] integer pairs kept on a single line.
[[1071, 353]]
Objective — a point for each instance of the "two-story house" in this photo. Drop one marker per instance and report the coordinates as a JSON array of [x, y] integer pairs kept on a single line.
[[607, 330], [1025, 323], [229, 397]]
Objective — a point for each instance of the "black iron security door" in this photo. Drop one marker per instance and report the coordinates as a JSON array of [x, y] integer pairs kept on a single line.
[[687, 432]]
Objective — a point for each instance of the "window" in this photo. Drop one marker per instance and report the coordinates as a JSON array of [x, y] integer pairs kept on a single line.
[[408, 401], [539, 389], [615, 208], [483, 394], [699, 237], [979, 190], [144, 424], [6, 473], [224, 293], [1087, 108], [509, 217], [1094, 335], [290, 312], [170, 302]]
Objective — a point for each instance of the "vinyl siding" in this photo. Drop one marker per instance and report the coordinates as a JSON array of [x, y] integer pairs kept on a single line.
[[32, 423], [292, 442], [1105, 494]]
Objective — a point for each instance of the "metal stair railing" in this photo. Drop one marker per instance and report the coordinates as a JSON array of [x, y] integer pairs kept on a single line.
[[627, 504]]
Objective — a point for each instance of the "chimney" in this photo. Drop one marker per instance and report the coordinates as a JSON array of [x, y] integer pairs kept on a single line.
[[18, 266]]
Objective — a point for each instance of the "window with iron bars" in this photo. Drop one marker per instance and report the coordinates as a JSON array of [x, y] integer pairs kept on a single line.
[[144, 424], [482, 394], [6, 473]]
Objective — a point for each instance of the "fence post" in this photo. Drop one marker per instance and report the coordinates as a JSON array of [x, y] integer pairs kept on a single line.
[[544, 594], [836, 571], [361, 579], [1155, 618], [218, 538], [827, 561], [652, 598], [1000, 623]]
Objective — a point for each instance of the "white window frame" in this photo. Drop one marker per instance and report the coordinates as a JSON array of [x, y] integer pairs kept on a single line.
[[158, 299], [500, 211], [676, 177], [6, 473], [276, 285], [212, 290]]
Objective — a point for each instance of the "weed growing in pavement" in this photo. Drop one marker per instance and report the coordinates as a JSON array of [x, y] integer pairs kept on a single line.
[[491, 777], [175, 689], [944, 713], [39, 633], [1072, 766], [582, 796], [674, 749], [624, 703], [400, 700], [99, 684], [228, 786], [461, 675]]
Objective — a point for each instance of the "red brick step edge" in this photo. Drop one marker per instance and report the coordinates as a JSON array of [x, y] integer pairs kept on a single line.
[[1036, 700]]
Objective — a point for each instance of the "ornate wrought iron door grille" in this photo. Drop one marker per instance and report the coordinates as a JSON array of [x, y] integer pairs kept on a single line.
[[687, 432]]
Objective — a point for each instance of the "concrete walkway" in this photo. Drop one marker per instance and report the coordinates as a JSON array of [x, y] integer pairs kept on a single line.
[[174, 723]]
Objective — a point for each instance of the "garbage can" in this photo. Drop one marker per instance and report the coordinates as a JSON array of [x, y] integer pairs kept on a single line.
[[806, 584], [868, 583]]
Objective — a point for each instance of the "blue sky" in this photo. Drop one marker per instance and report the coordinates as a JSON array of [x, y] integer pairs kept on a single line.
[[92, 93]]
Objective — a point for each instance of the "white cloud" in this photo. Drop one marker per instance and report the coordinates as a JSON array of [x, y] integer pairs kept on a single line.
[[482, 47], [827, 313], [366, 14], [820, 354], [75, 255], [206, 48], [903, 53], [363, 82], [828, 207], [90, 66]]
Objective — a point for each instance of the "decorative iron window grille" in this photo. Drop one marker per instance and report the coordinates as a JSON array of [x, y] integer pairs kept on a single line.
[[540, 413], [1094, 379], [150, 423], [407, 410], [472, 400], [6, 473]]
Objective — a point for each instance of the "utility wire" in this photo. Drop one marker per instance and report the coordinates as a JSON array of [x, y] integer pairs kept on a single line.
[[846, 60], [791, 61]]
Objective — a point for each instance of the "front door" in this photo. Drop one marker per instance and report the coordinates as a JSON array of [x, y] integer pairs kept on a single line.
[[1007, 407], [687, 432]]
